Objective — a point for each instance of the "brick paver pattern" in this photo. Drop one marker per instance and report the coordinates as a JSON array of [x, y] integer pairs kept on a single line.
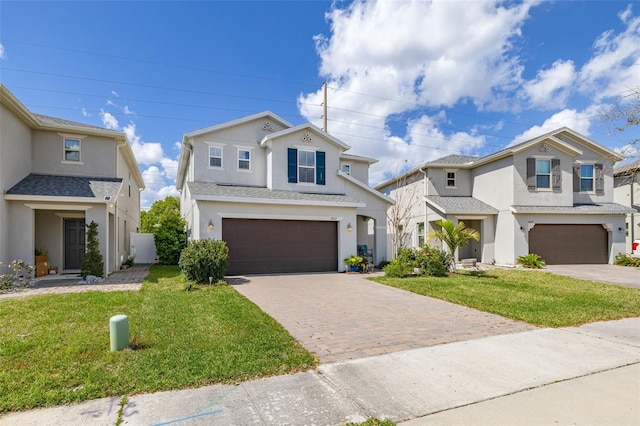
[[128, 279], [344, 316]]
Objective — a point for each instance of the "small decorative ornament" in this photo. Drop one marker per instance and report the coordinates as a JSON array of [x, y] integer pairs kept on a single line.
[[544, 148], [267, 126], [306, 137]]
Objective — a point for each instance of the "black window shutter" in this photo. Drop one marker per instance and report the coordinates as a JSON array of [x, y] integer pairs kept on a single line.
[[320, 168], [292, 163], [556, 174], [531, 173], [599, 172], [576, 178]]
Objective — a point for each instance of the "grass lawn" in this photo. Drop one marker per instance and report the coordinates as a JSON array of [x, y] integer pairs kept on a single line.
[[536, 297], [54, 349]]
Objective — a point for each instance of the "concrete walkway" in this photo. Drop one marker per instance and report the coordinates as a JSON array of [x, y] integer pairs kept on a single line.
[[127, 279], [544, 376], [344, 316]]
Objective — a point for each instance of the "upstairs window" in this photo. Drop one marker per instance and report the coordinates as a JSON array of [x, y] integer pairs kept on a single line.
[[215, 156], [72, 150], [244, 159], [451, 179], [543, 173], [345, 168], [586, 177], [307, 166]]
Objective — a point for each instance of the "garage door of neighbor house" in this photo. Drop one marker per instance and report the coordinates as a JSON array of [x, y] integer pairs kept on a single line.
[[258, 246], [569, 244]]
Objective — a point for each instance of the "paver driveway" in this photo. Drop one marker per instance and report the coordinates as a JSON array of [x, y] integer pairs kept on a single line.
[[344, 316]]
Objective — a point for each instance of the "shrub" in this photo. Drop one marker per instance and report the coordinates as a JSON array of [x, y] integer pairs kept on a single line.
[[204, 261], [170, 239], [17, 274], [624, 259], [531, 260], [353, 260], [92, 263], [428, 260]]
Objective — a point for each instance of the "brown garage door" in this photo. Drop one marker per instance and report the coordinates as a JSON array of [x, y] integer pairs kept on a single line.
[[258, 246], [569, 244]]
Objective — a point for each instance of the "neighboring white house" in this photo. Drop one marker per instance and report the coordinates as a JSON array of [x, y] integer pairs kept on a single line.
[[56, 176], [552, 196], [284, 198], [626, 191]]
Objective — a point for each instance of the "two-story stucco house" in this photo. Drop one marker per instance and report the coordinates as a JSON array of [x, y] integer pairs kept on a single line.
[[552, 196], [626, 191], [284, 198], [57, 176]]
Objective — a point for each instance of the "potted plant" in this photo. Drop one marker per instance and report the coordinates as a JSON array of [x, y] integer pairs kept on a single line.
[[42, 264], [353, 262]]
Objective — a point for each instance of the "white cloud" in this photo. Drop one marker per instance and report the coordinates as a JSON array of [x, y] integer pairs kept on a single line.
[[85, 113], [156, 187], [1, 51], [580, 121], [177, 145], [114, 93], [615, 66], [127, 111], [551, 87], [108, 120], [146, 152], [170, 168]]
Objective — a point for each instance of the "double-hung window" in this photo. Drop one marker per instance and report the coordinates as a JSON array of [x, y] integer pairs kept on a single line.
[[543, 173], [72, 150], [244, 159], [215, 156], [451, 179], [420, 232], [586, 177], [306, 166]]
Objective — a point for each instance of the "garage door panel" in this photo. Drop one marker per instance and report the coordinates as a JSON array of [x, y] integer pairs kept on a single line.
[[276, 246], [570, 244]]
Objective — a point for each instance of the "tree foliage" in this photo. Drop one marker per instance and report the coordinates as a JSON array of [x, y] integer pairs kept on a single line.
[[163, 220], [406, 196], [92, 262], [454, 236]]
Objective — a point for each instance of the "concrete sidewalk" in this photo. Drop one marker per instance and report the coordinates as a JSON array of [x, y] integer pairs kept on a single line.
[[489, 375]]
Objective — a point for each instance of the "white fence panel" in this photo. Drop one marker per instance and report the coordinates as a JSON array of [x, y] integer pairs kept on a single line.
[[143, 248]]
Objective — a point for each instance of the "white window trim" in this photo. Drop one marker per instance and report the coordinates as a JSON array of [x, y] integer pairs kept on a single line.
[[79, 138], [209, 156], [307, 167], [545, 158], [455, 178], [348, 166], [238, 169], [593, 177]]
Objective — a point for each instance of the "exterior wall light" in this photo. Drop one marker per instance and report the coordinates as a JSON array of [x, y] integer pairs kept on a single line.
[[349, 227], [210, 226]]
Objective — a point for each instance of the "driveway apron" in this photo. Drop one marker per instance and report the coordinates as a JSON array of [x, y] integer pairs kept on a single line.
[[344, 316]]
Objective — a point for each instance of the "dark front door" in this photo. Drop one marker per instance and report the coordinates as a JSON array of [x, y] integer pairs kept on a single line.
[[74, 241]]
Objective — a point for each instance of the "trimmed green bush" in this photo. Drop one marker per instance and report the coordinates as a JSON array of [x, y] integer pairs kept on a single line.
[[427, 260], [531, 260], [204, 261]]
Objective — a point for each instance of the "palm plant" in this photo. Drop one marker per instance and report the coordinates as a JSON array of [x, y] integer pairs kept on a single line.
[[454, 236]]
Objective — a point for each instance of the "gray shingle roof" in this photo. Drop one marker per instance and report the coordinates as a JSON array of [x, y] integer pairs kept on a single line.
[[627, 168], [67, 186], [54, 121], [454, 159], [212, 191], [457, 205], [602, 208]]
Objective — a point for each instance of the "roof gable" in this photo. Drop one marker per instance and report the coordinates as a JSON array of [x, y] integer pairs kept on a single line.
[[240, 121], [308, 127]]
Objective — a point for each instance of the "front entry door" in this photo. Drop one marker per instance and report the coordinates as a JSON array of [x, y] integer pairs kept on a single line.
[[74, 242]]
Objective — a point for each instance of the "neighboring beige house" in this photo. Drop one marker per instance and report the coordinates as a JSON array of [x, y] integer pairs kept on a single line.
[[552, 196], [284, 198], [626, 191], [57, 176]]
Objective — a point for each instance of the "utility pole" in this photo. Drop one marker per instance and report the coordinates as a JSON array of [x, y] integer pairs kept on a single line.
[[324, 108]]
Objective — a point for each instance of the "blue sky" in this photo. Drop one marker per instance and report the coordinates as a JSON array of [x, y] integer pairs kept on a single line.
[[408, 81]]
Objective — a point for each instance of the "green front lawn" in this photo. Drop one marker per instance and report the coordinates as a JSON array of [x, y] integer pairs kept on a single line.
[[54, 349], [536, 297]]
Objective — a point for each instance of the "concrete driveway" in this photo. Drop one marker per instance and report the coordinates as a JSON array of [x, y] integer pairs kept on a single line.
[[611, 274], [345, 316]]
